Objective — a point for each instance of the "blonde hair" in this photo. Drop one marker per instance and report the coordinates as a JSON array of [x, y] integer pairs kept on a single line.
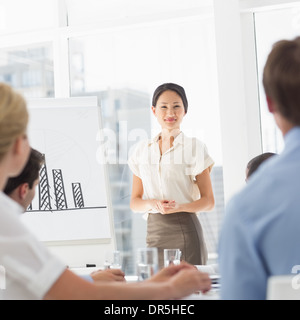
[[13, 117]]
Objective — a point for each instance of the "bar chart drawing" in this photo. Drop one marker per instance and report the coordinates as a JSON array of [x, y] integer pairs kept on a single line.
[[44, 190], [72, 199], [59, 190], [46, 202], [77, 195]]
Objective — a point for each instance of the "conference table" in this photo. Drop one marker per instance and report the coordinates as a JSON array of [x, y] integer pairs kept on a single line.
[[213, 294]]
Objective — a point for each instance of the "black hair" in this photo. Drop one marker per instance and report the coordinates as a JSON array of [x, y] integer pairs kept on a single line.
[[29, 174], [254, 163], [173, 87]]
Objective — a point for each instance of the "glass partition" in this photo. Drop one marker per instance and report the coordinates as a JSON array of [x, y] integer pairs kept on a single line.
[[101, 11], [22, 16], [123, 66], [121, 51], [29, 69], [272, 26]]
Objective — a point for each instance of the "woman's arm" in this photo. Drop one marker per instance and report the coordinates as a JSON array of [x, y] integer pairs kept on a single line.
[[205, 203], [137, 203], [179, 283], [207, 200], [69, 286], [108, 275]]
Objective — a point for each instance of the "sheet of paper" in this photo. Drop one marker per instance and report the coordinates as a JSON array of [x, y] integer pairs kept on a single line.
[[71, 199]]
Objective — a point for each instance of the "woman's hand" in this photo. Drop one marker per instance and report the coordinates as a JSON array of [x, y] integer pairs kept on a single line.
[[167, 206], [166, 273], [108, 275], [184, 276]]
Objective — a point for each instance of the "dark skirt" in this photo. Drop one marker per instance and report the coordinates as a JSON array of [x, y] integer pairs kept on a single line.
[[180, 230]]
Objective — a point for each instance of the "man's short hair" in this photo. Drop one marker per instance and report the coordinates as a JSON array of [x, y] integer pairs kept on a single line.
[[29, 174], [281, 78]]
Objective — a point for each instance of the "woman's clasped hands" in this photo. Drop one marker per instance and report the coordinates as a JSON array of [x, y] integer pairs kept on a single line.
[[166, 206]]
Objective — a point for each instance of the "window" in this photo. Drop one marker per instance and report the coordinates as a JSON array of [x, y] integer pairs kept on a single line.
[[272, 26], [16, 15], [29, 69], [123, 66], [115, 11], [76, 47]]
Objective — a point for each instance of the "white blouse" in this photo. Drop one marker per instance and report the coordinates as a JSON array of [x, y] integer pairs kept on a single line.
[[170, 176], [28, 270]]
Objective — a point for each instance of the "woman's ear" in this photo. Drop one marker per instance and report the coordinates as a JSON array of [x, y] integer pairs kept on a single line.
[[153, 110]]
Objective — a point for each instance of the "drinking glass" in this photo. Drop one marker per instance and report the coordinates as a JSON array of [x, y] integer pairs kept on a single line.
[[147, 263], [171, 256], [113, 260]]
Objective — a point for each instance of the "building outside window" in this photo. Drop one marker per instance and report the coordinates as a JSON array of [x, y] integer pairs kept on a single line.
[[121, 56], [123, 66], [29, 69]]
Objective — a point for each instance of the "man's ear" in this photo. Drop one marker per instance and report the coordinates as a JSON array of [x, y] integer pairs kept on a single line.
[[270, 104], [23, 190]]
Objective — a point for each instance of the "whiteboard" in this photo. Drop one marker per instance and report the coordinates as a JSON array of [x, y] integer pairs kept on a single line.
[[72, 201]]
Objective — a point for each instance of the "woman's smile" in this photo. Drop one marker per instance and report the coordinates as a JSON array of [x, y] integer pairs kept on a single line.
[[170, 120]]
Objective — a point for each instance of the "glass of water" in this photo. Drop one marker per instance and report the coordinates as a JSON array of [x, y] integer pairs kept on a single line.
[[171, 256], [117, 260], [147, 263], [113, 260]]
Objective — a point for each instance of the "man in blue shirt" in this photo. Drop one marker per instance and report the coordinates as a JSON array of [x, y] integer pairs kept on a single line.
[[260, 236]]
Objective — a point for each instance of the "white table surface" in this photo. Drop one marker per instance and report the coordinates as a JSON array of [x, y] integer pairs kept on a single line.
[[213, 294]]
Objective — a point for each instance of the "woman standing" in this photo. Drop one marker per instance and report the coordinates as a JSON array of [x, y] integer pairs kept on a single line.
[[171, 180], [30, 270]]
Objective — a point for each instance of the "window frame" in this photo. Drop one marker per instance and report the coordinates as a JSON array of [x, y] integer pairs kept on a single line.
[[236, 65], [238, 77]]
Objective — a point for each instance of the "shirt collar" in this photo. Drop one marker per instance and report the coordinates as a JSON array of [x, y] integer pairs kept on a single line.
[[292, 137], [178, 140], [10, 202]]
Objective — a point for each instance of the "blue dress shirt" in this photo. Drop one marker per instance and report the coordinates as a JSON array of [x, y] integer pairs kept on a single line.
[[260, 235], [87, 277]]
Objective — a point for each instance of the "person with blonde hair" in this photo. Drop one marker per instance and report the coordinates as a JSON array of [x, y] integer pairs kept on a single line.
[[22, 190], [31, 271]]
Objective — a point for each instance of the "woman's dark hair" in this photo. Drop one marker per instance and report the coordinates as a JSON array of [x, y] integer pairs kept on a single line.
[[254, 163], [173, 87]]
